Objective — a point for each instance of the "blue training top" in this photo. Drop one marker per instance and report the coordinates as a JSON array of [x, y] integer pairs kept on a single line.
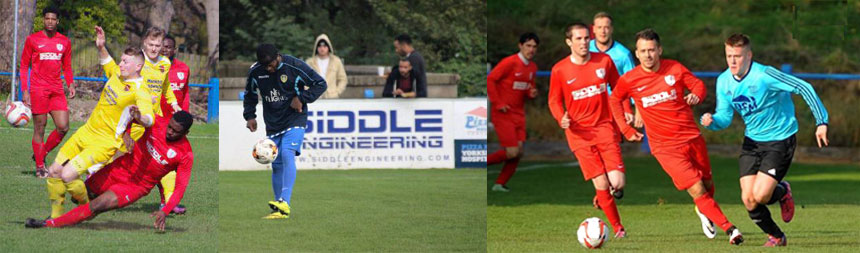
[[763, 98]]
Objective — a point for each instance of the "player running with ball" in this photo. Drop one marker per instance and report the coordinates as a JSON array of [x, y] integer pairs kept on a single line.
[[658, 85], [578, 101], [762, 96], [286, 85]]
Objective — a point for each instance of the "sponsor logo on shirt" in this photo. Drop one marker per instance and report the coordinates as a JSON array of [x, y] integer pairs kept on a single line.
[[659, 98], [640, 88], [274, 96], [40, 46], [263, 77], [50, 56], [745, 105], [518, 74], [154, 153], [589, 91], [521, 85], [571, 81]]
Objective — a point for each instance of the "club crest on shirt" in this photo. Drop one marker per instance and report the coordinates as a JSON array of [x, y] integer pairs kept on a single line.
[[60, 47], [161, 68], [171, 153], [601, 72], [284, 78], [670, 80], [180, 75]]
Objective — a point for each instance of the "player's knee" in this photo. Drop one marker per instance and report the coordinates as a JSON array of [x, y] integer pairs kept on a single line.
[[761, 198], [68, 175], [62, 128], [749, 202]]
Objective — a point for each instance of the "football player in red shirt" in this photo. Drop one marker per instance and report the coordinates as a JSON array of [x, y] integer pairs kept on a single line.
[[508, 86], [658, 86], [132, 176], [578, 100], [45, 54], [178, 77]]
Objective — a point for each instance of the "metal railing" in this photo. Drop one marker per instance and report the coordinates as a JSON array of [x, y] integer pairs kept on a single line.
[[212, 93]]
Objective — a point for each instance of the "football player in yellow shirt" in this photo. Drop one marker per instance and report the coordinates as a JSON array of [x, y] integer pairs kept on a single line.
[[124, 98]]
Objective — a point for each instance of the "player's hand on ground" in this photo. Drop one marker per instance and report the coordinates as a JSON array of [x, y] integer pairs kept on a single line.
[[72, 90], [706, 120], [251, 125], [565, 121], [160, 219], [26, 98], [692, 99], [296, 104], [637, 136], [821, 136], [637, 120], [628, 118], [533, 92], [100, 37]]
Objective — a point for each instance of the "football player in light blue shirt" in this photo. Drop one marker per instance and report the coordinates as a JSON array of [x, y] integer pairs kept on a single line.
[[623, 59], [762, 96]]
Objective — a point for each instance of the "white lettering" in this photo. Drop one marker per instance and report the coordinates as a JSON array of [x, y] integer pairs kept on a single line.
[[658, 98], [589, 91], [50, 56]]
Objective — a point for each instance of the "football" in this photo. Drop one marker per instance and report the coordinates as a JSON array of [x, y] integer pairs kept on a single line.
[[592, 233], [18, 114], [265, 151]]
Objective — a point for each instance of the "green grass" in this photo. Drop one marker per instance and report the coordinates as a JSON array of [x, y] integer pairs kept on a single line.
[[357, 211], [546, 205], [128, 229]]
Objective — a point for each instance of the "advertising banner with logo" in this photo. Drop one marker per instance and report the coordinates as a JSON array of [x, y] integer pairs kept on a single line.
[[375, 133]]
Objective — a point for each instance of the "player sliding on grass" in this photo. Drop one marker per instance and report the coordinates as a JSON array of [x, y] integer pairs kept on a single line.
[[657, 86], [762, 95], [508, 86], [578, 101], [96, 142], [132, 176], [286, 85]]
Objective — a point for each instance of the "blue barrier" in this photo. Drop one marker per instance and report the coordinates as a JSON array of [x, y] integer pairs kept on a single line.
[[211, 108], [787, 68]]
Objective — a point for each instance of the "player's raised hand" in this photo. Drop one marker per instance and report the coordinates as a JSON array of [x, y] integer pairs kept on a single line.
[[160, 220], [692, 99], [296, 104], [251, 125], [707, 119], [565, 121], [72, 90], [637, 136], [100, 37], [821, 136]]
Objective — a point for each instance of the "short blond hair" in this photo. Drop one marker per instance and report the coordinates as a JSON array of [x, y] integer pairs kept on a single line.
[[154, 32], [603, 14]]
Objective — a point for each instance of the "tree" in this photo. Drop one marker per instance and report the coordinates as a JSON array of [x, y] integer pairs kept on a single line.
[[212, 31], [26, 11]]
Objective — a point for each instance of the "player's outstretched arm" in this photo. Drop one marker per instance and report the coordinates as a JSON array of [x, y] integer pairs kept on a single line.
[[183, 176]]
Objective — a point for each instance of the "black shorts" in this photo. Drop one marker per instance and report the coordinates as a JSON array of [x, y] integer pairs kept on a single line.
[[771, 157]]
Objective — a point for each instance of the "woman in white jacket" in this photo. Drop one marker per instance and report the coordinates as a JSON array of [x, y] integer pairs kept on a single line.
[[328, 66]]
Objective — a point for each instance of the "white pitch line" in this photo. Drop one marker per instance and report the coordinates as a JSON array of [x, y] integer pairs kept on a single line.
[[536, 167]]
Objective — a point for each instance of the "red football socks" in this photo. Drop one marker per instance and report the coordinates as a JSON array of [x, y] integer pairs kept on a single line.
[[508, 171], [607, 204], [74, 216], [39, 153], [53, 140], [708, 206], [496, 157]]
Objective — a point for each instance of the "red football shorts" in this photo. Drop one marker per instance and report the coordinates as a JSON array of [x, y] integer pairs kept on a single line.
[[597, 159], [510, 130], [686, 163], [45, 100]]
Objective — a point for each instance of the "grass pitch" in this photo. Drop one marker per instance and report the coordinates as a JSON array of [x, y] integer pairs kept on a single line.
[[549, 200], [357, 211], [127, 229]]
